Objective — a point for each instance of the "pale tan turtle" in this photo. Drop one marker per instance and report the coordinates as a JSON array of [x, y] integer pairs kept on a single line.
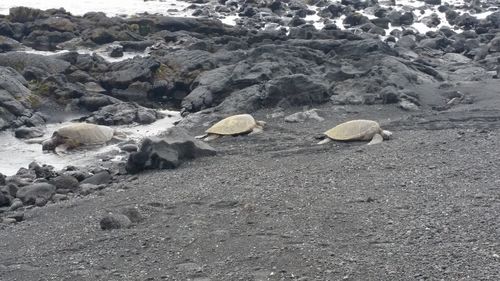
[[362, 130], [232, 126], [80, 134]]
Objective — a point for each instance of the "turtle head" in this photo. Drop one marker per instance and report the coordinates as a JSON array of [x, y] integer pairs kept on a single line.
[[261, 123], [53, 142], [387, 135]]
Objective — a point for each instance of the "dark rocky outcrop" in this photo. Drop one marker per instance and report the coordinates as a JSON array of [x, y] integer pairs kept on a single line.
[[36, 192], [122, 114], [167, 151]]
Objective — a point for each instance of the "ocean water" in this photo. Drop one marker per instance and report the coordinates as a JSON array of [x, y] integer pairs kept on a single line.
[[25, 153], [110, 7], [178, 8]]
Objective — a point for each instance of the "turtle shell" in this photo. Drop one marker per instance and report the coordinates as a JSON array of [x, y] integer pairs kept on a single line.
[[354, 130], [233, 125], [86, 134]]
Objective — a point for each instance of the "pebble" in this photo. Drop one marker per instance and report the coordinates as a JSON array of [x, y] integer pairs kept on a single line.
[[16, 204], [114, 221], [18, 216]]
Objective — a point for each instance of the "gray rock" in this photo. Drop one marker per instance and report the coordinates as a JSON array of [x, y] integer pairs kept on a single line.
[[123, 114], [40, 202], [167, 151], [300, 117], [297, 89], [28, 132], [95, 102], [408, 105], [124, 73], [16, 204], [21, 60], [65, 182], [7, 220], [42, 172], [129, 147], [133, 214], [115, 221], [246, 100], [4, 200], [59, 197], [7, 44], [116, 51], [87, 188], [24, 14], [18, 216], [9, 189], [137, 92], [29, 194], [100, 178], [361, 48]]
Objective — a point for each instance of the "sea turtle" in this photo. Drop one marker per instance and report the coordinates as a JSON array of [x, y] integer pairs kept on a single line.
[[80, 134], [233, 125], [357, 130]]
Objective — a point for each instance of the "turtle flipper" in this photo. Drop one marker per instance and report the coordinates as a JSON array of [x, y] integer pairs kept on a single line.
[[257, 130], [325, 140], [61, 149], [377, 138], [201, 136], [211, 137], [120, 136]]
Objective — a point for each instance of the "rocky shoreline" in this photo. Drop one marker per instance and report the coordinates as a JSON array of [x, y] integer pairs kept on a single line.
[[272, 63]]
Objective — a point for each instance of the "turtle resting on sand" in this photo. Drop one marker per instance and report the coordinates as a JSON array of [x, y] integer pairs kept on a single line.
[[233, 126], [362, 130], [79, 134]]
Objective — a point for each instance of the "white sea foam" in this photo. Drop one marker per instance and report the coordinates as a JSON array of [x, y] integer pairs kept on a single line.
[[109, 7]]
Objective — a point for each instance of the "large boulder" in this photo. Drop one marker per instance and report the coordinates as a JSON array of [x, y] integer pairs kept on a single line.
[[167, 151], [361, 48], [28, 132], [124, 73], [209, 86], [66, 182], [39, 191], [16, 100], [7, 44], [25, 14], [123, 114], [20, 61], [297, 89]]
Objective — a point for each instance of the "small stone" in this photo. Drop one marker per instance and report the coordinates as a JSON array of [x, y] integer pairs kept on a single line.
[[408, 105], [99, 178], [87, 188], [29, 194], [59, 197], [65, 182], [40, 202], [116, 52], [28, 133], [4, 200], [18, 216], [133, 214], [16, 204], [130, 147], [9, 220], [115, 221], [303, 116]]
